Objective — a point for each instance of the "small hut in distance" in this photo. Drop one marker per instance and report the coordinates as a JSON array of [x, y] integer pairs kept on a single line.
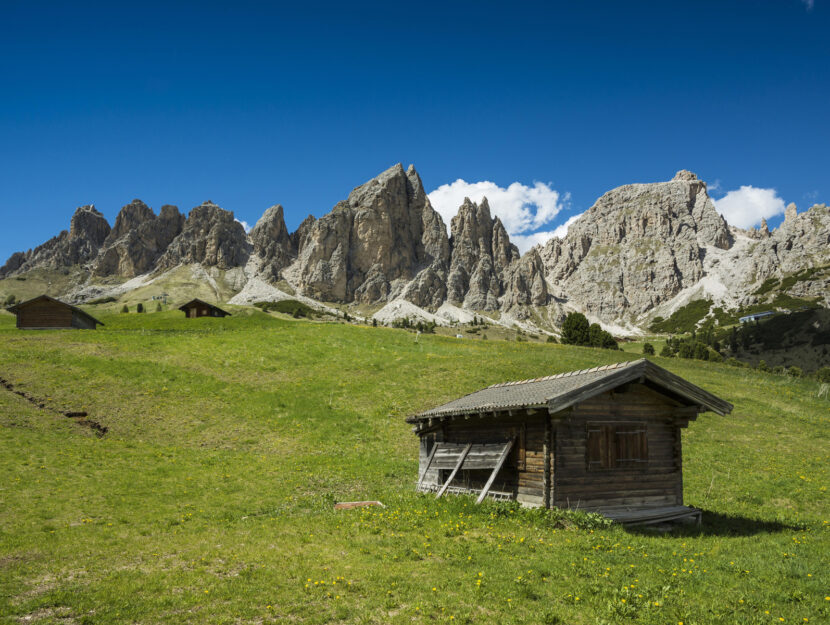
[[198, 308], [604, 440], [47, 313]]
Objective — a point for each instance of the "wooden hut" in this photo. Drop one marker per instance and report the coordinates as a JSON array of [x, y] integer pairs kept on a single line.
[[605, 440], [47, 313], [197, 308]]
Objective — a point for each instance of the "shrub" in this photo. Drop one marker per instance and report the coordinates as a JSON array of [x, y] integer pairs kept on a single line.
[[125, 309], [103, 300], [666, 352], [288, 307], [550, 339], [823, 374], [158, 307], [762, 366], [139, 308], [795, 372], [686, 350], [374, 322], [700, 351], [10, 300], [648, 349]]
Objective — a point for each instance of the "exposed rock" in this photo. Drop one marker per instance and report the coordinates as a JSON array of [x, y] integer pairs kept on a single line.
[[524, 282], [371, 245], [138, 238], [791, 212], [88, 230], [298, 236], [272, 243], [636, 247], [481, 251], [210, 236]]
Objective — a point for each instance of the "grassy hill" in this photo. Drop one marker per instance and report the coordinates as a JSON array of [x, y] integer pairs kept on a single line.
[[209, 500]]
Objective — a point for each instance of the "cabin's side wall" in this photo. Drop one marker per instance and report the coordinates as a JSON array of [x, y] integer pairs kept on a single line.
[[82, 321], [44, 314], [658, 482], [523, 473]]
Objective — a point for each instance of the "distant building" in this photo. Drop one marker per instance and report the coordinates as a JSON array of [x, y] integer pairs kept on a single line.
[[47, 313], [605, 439], [756, 316], [197, 308]]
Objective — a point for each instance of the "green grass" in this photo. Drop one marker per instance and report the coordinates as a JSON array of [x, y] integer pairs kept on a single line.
[[210, 498], [683, 319]]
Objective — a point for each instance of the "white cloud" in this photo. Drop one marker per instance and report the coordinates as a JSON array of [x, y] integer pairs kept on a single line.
[[521, 208], [525, 241], [244, 224], [746, 206]]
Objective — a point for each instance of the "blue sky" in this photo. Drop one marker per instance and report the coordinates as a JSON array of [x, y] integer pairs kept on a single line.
[[252, 104]]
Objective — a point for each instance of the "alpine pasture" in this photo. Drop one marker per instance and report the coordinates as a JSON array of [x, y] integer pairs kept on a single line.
[[210, 498]]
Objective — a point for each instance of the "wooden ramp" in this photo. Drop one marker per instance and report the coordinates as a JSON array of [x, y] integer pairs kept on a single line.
[[652, 516]]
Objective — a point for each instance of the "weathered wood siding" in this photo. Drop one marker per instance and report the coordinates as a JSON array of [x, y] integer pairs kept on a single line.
[[522, 474], [656, 483], [44, 314]]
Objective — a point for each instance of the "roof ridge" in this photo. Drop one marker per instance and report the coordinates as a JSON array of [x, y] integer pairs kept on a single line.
[[567, 374]]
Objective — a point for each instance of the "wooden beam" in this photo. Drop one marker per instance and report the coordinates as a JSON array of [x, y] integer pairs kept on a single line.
[[499, 464], [429, 462], [546, 455], [455, 470]]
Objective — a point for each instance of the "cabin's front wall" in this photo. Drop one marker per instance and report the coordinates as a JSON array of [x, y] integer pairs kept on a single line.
[[44, 314], [657, 482], [522, 474]]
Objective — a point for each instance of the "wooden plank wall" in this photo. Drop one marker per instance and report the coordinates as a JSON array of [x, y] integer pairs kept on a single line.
[[658, 483], [523, 473], [44, 314]]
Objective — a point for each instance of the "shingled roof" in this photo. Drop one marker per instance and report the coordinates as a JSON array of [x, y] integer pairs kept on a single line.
[[557, 392]]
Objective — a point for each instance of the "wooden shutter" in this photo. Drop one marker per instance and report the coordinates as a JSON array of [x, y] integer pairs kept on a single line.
[[597, 446], [616, 445], [631, 445]]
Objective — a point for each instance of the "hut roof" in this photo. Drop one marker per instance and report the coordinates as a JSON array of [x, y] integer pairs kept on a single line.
[[197, 301], [14, 309], [557, 392]]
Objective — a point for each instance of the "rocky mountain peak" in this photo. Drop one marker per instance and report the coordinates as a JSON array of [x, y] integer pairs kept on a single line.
[[481, 252], [210, 236], [374, 242], [89, 225], [637, 246], [137, 240], [272, 243], [791, 212], [685, 174]]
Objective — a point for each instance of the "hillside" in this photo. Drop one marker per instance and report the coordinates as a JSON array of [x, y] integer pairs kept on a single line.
[[209, 499]]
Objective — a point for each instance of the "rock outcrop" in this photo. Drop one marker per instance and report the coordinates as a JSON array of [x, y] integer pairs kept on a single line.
[[370, 246], [87, 232], [636, 247], [272, 244], [524, 282], [481, 252], [211, 237], [137, 239]]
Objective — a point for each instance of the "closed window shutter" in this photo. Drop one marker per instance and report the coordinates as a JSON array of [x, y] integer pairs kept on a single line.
[[617, 445]]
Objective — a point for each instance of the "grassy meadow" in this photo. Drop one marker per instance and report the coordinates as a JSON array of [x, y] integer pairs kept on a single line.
[[209, 500]]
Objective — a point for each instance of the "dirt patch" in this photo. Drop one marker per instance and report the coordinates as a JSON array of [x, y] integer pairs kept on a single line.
[[78, 416]]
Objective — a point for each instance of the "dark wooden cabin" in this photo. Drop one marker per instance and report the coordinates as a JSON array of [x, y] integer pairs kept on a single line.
[[47, 313], [197, 308], [604, 440]]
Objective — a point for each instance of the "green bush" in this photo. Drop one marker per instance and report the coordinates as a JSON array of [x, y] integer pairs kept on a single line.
[[666, 352], [823, 374], [139, 308], [125, 309], [762, 366], [550, 339], [10, 300], [576, 330], [288, 307], [648, 349], [683, 319], [795, 372]]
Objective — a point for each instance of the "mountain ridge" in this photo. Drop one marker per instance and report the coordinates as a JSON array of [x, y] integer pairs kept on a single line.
[[640, 250]]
